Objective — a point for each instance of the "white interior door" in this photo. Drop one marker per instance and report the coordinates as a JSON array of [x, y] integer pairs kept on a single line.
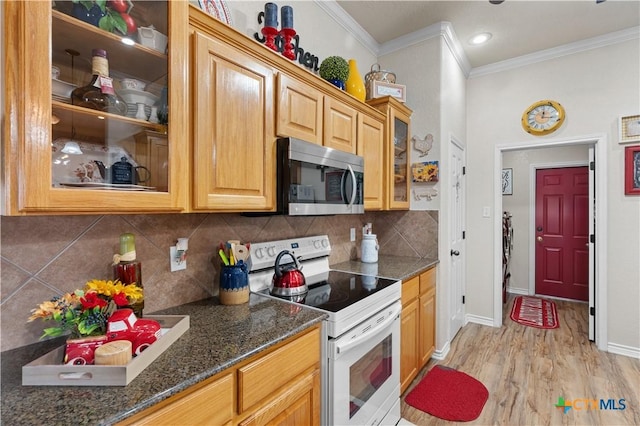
[[591, 243], [456, 239]]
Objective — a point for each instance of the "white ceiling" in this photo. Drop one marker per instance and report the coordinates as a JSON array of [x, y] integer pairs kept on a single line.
[[519, 27]]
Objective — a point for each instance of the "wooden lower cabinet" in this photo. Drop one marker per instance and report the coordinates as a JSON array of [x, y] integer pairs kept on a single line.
[[418, 325], [280, 386]]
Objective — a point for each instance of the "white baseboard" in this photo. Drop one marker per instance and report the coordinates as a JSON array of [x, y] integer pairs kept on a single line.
[[479, 320], [629, 351], [441, 354], [520, 291]]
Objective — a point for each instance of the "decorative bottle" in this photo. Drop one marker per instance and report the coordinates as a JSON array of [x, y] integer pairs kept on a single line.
[[128, 270], [355, 84], [99, 94]]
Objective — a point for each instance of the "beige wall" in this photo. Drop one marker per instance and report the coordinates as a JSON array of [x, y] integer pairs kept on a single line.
[[595, 87], [46, 256]]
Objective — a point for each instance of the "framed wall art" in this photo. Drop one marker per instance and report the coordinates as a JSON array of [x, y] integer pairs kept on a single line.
[[629, 129], [507, 181], [632, 170], [425, 172]]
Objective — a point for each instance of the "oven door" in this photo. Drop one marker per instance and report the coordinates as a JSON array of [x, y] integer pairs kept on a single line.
[[364, 370]]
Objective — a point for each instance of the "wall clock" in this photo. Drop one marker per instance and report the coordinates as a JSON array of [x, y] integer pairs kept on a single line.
[[543, 117]]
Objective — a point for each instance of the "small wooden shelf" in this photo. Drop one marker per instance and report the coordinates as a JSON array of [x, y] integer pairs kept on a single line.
[[97, 126], [149, 64]]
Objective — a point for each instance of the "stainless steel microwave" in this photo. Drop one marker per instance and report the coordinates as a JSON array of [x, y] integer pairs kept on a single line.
[[316, 180]]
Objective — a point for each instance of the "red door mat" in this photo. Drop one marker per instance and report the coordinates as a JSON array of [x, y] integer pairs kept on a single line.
[[535, 312], [449, 394]]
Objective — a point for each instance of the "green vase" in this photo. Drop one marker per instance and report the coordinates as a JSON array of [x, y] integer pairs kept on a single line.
[[355, 84]]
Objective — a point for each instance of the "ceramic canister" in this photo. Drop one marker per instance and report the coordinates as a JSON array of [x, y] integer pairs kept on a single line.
[[369, 248], [234, 284]]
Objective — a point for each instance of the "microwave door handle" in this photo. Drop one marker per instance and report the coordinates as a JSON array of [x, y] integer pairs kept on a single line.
[[355, 187]]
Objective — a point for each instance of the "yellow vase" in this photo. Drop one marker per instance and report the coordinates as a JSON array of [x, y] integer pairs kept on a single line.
[[355, 84]]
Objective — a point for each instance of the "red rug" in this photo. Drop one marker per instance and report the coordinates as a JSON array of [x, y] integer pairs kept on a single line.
[[535, 312], [449, 394]]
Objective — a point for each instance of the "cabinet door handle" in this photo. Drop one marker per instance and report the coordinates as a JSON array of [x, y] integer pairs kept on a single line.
[[455, 253]]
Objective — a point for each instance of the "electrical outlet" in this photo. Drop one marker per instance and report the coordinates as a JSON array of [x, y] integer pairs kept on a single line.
[[177, 264], [486, 211], [352, 234]]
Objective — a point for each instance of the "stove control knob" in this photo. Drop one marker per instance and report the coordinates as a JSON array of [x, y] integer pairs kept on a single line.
[[325, 243], [317, 244], [271, 251]]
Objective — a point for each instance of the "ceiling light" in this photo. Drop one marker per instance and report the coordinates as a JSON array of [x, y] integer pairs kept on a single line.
[[480, 38]]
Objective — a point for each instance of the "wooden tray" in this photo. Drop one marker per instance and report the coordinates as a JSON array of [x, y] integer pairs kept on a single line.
[[47, 370]]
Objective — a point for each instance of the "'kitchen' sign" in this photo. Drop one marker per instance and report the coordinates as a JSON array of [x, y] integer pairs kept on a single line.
[[306, 59]]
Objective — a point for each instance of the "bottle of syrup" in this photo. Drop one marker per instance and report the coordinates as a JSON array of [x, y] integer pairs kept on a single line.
[[128, 270], [99, 93]]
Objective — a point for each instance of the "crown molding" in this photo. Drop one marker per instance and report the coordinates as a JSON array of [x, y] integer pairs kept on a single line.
[[441, 29], [445, 30], [339, 15], [558, 52]]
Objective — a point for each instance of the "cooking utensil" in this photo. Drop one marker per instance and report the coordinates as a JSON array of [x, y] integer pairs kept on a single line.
[[288, 280], [240, 252]]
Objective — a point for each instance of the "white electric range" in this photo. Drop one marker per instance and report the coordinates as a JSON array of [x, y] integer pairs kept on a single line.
[[361, 357]]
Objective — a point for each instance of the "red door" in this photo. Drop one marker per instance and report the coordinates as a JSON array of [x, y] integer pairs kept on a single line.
[[562, 229]]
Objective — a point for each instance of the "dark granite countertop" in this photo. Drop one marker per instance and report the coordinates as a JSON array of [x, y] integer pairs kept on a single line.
[[219, 337], [395, 267]]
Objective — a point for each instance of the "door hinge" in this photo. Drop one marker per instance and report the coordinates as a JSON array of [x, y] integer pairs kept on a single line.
[[592, 238], [592, 311], [464, 233], [592, 165], [464, 170], [463, 300]]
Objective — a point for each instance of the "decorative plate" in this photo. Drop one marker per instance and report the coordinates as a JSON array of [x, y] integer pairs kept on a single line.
[[217, 8], [82, 168]]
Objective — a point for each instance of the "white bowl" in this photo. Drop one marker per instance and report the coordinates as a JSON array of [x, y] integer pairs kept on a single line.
[[132, 96], [62, 88], [132, 83]]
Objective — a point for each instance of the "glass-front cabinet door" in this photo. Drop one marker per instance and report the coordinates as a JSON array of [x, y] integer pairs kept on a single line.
[[399, 197], [96, 106], [397, 152]]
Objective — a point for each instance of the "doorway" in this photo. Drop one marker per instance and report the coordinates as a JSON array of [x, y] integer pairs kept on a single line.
[[597, 247], [562, 232]]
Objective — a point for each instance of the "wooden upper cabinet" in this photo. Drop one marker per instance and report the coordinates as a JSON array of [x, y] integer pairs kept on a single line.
[[300, 109], [38, 177], [233, 131], [371, 147], [340, 126]]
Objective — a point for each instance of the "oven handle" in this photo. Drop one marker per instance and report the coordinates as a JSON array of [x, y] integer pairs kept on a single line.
[[395, 313]]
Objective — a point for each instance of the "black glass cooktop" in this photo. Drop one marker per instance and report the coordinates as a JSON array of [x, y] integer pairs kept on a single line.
[[338, 290]]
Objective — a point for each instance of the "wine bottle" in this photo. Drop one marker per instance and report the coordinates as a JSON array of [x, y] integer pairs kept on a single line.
[[99, 93], [128, 270]]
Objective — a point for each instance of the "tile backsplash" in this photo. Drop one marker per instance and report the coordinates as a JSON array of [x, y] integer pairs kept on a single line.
[[49, 255]]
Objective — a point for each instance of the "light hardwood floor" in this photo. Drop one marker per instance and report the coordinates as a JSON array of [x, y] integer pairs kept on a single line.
[[526, 369]]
